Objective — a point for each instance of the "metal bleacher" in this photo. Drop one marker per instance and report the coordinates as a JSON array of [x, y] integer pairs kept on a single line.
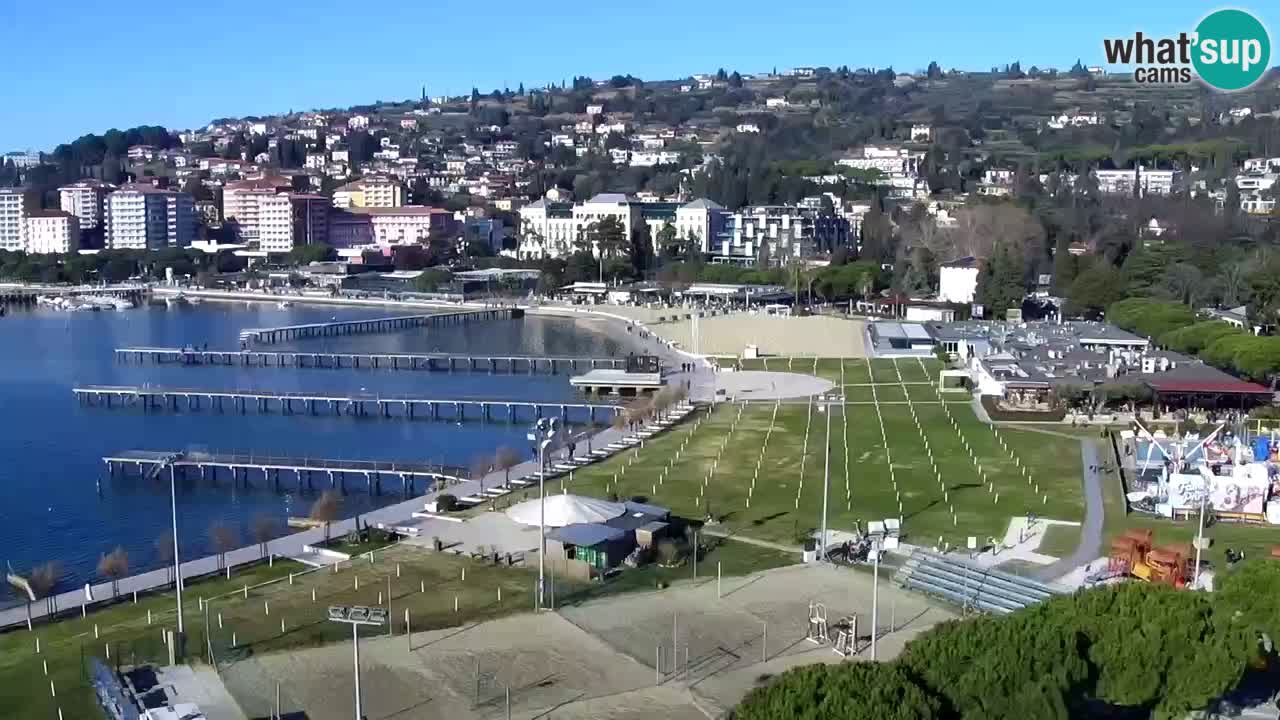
[[970, 586]]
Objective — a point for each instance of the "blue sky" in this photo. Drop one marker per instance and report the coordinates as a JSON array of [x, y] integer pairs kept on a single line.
[[92, 65]]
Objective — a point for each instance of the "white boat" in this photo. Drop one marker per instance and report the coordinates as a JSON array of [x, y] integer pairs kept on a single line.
[[284, 304]]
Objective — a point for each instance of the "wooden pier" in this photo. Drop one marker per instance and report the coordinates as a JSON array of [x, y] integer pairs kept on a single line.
[[435, 362], [285, 333], [206, 466], [406, 407]]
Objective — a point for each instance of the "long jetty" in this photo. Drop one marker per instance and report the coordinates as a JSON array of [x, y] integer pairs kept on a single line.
[[438, 362], [288, 403], [285, 333], [147, 463]]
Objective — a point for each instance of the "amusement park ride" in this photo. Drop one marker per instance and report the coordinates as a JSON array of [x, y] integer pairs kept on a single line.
[[1217, 477]]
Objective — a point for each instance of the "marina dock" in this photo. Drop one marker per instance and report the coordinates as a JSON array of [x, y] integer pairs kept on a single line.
[[285, 333], [434, 362], [406, 407], [148, 463]]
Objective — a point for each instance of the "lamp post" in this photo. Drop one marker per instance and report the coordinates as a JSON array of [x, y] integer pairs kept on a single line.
[[543, 434], [875, 595], [177, 560], [826, 482], [355, 616], [1195, 579]]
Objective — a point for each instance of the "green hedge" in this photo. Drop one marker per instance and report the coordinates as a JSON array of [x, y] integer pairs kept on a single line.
[[1151, 318], [1194, 338]]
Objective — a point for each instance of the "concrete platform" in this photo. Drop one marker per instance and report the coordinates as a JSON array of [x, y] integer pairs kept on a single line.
[[763, 385]]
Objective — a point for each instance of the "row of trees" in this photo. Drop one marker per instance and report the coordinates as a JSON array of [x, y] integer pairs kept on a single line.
[[1175, 326], [1134, 650], [43, 579], [112, 266]]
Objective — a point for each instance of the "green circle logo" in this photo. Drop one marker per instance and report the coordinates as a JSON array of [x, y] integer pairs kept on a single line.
[[1232, 51]]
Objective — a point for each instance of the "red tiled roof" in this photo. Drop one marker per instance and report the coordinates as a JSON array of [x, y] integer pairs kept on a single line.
[[1234, 387]]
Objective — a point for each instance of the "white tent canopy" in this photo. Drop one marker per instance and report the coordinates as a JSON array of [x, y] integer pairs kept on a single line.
[[566, 510]]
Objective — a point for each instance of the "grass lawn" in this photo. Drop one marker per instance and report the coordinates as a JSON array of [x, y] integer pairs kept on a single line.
[[925, 393], [1059, 540], [858, 393], [884, 371], [891, 393], [830, 368], [786, 492], [255, 620], [65, 644], [856, 371]]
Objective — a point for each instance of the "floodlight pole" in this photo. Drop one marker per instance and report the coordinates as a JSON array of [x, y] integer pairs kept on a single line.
[[1195, 580], [826, 483], [543, 434], [875, 597], [177, 560], [542, 523], [355, 648]]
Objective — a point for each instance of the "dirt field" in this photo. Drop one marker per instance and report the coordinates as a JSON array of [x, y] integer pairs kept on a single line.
[[595, 660], [814, 336]]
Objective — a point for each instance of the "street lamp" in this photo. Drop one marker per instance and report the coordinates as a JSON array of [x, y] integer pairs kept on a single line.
[[879, 543], [177, 560], [355, 616], [825, 407], [543, 433]]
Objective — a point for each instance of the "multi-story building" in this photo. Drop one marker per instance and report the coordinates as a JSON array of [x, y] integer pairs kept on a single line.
[[552, 229], [310, 218], [371, 192], [349, 229], [16, 204], [1139, 180], [547, 229], [701, 220], [52, 231], [22, 159], [241, 201], [888, 160], [86, 200], [406, 224], [274, 223], [786, 231], [143, 217]]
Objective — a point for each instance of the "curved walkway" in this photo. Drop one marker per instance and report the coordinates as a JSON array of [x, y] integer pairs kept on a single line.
[[1090, 547]]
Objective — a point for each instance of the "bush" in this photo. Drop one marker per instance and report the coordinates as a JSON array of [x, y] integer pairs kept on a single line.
[[1194, 338], [1000, 414], [1133, 650], [856, 690], [669, 553]]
